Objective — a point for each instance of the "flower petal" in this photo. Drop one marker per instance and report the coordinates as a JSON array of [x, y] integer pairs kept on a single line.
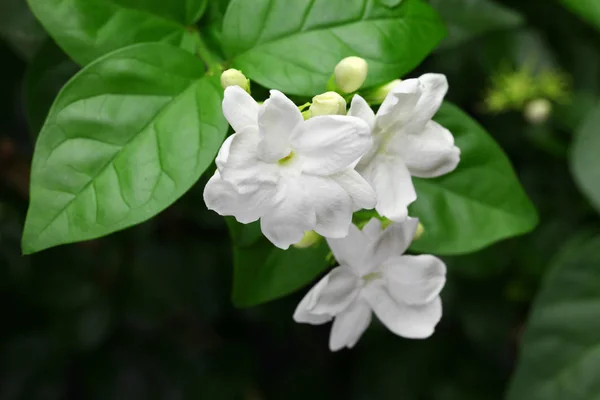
[[349, 325], [414, 280], [291, 215], [277, 118], [221, 196], [330, 143], [240, 109], [352, 250], [394, 240], [373, 230], [223, 154], [434, 88], [303, 312], [362, 194], [361, 109], [341, 289], [333, 205], [391, 180], [428, 153], [399, 105], [242, 167], [409, 321]]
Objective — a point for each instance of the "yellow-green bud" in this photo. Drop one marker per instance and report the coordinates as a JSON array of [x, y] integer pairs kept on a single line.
[[537, 111], [310, 238], [328, 103], [419, 232], [377, 95], [234, 77], [350, 74]]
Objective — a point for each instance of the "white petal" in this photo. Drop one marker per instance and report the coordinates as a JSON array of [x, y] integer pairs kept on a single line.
[[409, 321], [399, 105], [303, 312], [391, 180], [373, 229], [277, 118], [223, 155], [341, 289], [242, 167], [352, 250], [349, 325], [291, 215], [427, 153], [358, 188], [240, 109], [333, 205], [330, 143], [361, 109], [435, 87], [394, 240], [221, 196], [414, 279]]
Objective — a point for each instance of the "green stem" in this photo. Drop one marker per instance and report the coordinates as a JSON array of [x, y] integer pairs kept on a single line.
[[211, 60]]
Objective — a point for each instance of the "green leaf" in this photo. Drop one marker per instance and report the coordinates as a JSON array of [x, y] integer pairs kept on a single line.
[[49, 70], [476, 205], [294, 45], [588, 10], [263, 272], [125, 138], [585, 164], [19, 28], [468, 19], [560, 354], [88, 29]]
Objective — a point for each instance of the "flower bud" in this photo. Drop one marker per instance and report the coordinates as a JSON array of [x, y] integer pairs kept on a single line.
[[310, 238], [419, 232], [537, 111], [350, 74], [329, 103], [377, 95], [234, 77]]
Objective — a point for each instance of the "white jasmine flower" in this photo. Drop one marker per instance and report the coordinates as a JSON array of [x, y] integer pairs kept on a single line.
[[374, 275], [406, 142], [294, 175]]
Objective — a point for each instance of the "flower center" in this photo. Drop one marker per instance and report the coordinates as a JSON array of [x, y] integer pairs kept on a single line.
[[371, 277], [287, 159]]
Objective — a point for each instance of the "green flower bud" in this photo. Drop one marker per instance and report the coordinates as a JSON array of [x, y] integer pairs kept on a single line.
[[234, 77], [350, 74], [310, 238], [377, 95], [419, 232], [537, 111], [328, 103]]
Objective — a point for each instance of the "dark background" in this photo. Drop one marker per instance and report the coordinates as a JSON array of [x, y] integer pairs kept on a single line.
[[145, 313]]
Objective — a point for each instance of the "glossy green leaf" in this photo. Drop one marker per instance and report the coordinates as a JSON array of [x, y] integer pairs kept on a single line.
[[589, 10], [49, 70], [294, 45], [19, 28], [88, 29], [124, 139], [468, 19], [263, 272], [476, 205], [585, 163], [560, 352]]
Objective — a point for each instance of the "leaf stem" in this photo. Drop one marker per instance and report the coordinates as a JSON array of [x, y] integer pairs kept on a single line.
[[210, 59]]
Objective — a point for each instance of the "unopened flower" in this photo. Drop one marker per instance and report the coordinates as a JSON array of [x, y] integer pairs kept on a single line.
[[293, 175], [350, 74], [329, 103], [234, 77], [310, 239], [537, 111], [406, 142], [375, 276], [378, 94]]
